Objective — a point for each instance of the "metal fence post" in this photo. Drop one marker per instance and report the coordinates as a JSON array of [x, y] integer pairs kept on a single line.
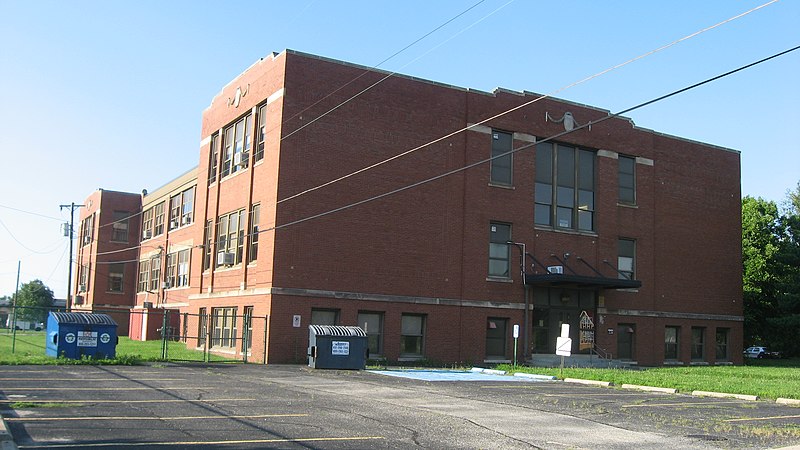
[[164, 335]]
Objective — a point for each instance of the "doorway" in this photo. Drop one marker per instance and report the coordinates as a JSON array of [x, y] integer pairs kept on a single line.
[[626, 345]]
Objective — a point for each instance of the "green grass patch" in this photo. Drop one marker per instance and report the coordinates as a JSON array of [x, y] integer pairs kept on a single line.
[[21, 405], [766, 381], [29, 348]]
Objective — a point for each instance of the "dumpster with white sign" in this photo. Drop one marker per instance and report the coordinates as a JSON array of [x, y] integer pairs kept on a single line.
[[337, 347], [74, 335]]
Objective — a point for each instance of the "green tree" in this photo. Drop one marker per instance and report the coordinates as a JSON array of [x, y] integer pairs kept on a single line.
[[33, 301], [771, 272]]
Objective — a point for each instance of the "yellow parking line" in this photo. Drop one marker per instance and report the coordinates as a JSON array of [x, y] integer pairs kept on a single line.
[[647, 405], [103, 389], [48, 419], [755, 418], [243, 441], [206, 400]]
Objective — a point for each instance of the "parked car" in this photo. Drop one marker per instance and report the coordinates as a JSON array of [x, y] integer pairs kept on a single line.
[[761, 352]]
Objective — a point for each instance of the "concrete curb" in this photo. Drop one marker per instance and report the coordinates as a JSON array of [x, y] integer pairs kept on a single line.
[[788, 401], [590, 382], [535, 376], [650, 388], [489, 371], [6, 439], [751, 398]]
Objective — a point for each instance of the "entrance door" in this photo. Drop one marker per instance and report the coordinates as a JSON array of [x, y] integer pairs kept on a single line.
[[626, 333], [547, 328]]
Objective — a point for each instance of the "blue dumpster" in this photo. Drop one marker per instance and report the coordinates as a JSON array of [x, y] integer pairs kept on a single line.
[[74, 335], [337, 347]]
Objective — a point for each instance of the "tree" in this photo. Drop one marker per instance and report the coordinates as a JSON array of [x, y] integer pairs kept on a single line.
[[771, 272], [33, 301]]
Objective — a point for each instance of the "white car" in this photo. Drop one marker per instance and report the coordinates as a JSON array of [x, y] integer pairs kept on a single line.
[[760, 352]]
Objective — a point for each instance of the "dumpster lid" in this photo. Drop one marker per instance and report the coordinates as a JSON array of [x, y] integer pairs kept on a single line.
[[83, 318], [336, 330]]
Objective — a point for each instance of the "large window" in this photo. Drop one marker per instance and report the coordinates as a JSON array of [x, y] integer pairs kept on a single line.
[[672, 343], [698, 343], [258, 154], [372, 323], [237, 142], [564, 190], [501, 166], [722, 344], [499, 252], [119, 228], [147, 224], [178, 269], [496, 338], [412, 336], [155, 273], [158, 220], [208, 247], [87, 230], [255, 213], [116, 277], [230, 238], [144, 276], [224, 323], [324, 316], [627, 180], [213, 159], [626, 257], [181, 208]]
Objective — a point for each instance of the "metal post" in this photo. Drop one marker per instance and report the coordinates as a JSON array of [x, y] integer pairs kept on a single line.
[[266, 320], [71, 207], [164, 335], [14, 312]]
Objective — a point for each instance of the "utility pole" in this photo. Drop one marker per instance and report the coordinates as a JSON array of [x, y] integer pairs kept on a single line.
[[72, 206], [14, 311]]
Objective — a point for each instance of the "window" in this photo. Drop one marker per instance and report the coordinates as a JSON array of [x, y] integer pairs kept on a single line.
[[501, 166], [119, 229], [181, 207], [671, 341], [174, 211], [722, 344], [172, 269], [372, 323], [87, 230], [626, 251], [83, 272], [116, 277], [324, 316], [564, 189], [255, 213], [144, 276], [412, 336], [698, 342], [187, 206], [202, 327], [258, 155], [155, 272], [627, 180], [183, 269], [247, 339], [237, 142], [213, 159], [499, 252], [496, 338], [224, 322], [158, 223], [209, 244], [147, 224], [230, 238]]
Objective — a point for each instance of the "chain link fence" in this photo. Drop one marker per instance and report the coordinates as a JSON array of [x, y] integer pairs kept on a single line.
[[156, 334]]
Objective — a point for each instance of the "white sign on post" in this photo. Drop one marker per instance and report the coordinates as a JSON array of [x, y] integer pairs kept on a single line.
[[563, 346], [565, 330], [516, 331]]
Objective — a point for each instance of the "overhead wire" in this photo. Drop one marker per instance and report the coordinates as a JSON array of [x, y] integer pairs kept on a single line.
[[524, 147], [523, 105]]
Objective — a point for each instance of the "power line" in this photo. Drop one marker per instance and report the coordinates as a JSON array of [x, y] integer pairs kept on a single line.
[[32, 213], [524, 147], [453, 133]]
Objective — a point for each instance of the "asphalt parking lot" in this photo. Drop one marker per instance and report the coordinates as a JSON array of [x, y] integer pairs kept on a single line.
[[292, 407]]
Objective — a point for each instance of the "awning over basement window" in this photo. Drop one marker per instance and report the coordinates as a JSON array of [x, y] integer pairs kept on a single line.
[[579, 281]]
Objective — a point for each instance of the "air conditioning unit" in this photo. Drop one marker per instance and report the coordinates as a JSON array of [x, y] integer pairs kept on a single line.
[[556, 270], [167, 284], [147, 305], [174, 223], [87, 240], [237, 159], [225, 258], [81, 287], [147, 234], [186, 219]]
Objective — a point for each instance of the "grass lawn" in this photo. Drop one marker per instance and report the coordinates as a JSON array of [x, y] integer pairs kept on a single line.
[[29, 348], [766, 379]]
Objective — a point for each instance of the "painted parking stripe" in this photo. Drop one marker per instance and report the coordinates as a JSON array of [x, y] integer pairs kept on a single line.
[[91, 379], [48, 419], [244, 441], [206, 400], [755, 418], [700, 404], [105, 389]]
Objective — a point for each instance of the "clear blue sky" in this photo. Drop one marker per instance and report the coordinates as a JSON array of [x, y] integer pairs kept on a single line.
[[108, 94]]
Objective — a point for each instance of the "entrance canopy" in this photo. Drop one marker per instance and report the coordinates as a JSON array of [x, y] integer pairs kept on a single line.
[[563, 280]]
